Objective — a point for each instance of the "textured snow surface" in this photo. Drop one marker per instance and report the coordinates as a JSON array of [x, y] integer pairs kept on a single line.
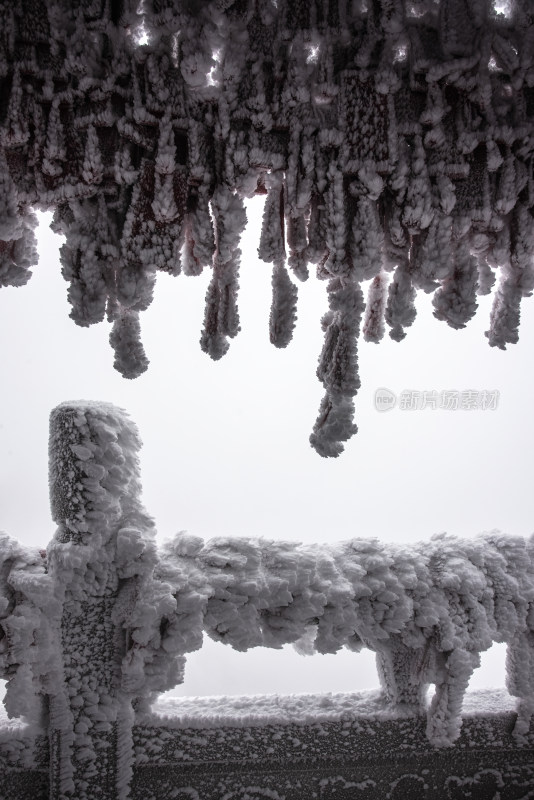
[[303, 709]]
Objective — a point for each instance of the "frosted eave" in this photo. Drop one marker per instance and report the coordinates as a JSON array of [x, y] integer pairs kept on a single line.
[[395, 148]]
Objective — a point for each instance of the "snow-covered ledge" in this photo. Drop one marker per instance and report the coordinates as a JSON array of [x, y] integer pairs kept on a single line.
[[98, 626]]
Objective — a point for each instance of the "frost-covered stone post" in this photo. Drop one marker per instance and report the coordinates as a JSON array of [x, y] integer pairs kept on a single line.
[[94, 493]]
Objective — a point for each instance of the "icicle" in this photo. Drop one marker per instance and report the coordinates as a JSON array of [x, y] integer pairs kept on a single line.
[[316, 250], [444, 715], [283, 309], [367, 246], [297, 243], [504, 319], [506, 192], [125, 339], [19, 254], [163, 204], [148, 244], [93, 168], [10, 221], [15, 132], [272, 246], [123, 170], [517, 259], [221, 320], [432, 254], [199, 237], [292, 173], [417, 208], [455, 302], [522, 248], [400, 176], [446, 194], [500, 253], [166, 154], [87, 260], [395, 239], [373, 324], [400, 308], [135, 282], [486, 277], [338, 369], [54, 152], [337, 264]]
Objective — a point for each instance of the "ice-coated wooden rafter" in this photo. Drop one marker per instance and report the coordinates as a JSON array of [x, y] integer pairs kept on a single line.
[[390, 136]]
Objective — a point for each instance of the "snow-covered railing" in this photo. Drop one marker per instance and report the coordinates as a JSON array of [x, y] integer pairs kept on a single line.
[[97, 626], [393, 139]]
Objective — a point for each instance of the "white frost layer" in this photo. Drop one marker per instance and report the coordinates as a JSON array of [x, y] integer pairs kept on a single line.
[[302, 709]]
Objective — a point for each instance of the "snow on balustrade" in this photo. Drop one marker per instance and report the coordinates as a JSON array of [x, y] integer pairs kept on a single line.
[[426, 610], [28, 611], [389, 137], [101, 623]]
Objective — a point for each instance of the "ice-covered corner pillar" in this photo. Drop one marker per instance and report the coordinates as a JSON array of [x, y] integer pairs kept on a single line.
[[94, 494]]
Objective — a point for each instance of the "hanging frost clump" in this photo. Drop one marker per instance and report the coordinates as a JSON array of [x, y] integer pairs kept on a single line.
[[396, 140], [338, 369]]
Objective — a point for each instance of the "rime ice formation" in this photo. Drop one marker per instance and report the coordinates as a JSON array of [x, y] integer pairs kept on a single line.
[[28, 609], [426, 610], [251, 711], [97, 626], [101, 563], [389, 137]]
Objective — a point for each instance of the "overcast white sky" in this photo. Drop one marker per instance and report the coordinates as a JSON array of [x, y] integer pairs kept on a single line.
[[226, 444]]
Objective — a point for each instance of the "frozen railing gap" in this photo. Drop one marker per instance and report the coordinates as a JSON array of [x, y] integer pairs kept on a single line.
[[97, 626]]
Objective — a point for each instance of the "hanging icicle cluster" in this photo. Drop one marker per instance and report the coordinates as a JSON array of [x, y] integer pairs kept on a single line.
[[394, 140]]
